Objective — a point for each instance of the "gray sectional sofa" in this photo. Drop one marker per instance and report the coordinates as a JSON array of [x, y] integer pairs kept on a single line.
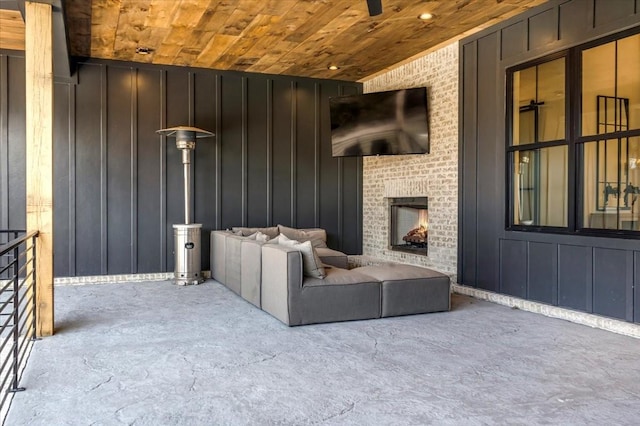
[[275, 277]]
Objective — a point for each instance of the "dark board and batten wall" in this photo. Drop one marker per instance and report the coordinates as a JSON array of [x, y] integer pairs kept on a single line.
[[118, 185], [589, 274]]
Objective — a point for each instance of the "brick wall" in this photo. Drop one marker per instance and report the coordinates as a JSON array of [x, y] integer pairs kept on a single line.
[[434, 175]]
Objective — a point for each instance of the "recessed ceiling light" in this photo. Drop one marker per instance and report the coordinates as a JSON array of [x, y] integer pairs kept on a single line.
[[143, 50], [425, 16], [333, 67]]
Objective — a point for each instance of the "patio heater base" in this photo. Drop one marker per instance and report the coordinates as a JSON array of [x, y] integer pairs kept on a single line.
[[187, 254]]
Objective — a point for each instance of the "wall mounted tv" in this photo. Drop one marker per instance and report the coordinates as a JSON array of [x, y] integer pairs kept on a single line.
[[382, 123]]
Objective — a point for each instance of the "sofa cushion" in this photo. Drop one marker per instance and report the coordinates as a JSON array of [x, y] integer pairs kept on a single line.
[[311, 264], [408, 289], [333, 257], [271, 231], [318, 237]]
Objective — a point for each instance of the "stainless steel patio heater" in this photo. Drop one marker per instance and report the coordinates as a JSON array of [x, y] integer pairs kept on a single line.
[[186, 236]]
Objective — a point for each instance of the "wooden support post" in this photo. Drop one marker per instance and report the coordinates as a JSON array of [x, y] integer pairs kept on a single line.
[[39, 132]]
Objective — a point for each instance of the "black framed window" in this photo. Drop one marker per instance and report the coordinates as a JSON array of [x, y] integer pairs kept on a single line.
[[573, 151], [538, 144], [609, 146]]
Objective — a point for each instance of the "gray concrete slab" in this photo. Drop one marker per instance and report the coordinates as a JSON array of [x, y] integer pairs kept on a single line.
[[159, 354]]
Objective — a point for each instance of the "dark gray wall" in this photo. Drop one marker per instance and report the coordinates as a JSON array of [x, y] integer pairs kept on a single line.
[[118, 185], [585, 273]]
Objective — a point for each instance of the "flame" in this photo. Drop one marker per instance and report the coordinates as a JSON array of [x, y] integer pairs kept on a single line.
[[423, 221]]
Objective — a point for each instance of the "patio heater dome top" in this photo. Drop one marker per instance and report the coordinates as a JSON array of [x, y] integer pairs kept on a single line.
[[185, 131]]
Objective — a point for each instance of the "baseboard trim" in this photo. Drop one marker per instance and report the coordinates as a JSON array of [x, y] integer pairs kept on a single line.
[[124, 278], [583, 318]]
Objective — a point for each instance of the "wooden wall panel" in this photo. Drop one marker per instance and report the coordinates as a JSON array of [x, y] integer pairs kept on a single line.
[[513, 40], [490, 211], [204, 156], [16, 133], [606, 11], [230, 138], [150, 166], [329, 193], [542, 272], [89, 167], [4, 147], [612, 278], [63, 179], [178, 109], [576, 18], [575, 277], [258, 155], [560, 267], [282, 152], [119, 185], [468, 157], [636, 279], [120, 90], [513, 272], [543, 29], [306, 173]]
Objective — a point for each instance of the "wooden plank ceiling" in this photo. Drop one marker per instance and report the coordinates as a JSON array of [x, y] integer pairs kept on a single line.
[[292, 37]]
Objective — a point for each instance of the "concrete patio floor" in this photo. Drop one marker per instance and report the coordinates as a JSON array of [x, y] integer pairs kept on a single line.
[[158, 354]]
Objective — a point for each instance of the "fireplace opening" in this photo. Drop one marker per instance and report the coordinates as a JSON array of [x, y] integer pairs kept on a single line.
[[409, 225]]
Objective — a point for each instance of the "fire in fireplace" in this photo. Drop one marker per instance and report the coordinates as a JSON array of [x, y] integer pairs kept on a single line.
[[409, 225]]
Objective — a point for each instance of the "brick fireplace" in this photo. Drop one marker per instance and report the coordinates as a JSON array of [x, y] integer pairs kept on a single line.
[[433, 175], [409, 225]]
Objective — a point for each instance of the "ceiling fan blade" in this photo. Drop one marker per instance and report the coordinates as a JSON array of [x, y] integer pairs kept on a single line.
[[375, 7]]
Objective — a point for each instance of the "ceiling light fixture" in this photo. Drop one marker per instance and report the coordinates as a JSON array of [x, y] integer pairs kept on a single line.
[[425, 16], [143, 50], [333, 67]]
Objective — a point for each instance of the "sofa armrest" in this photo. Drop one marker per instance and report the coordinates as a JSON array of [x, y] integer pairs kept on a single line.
[[218, 255], [281, 280], [251, 271]]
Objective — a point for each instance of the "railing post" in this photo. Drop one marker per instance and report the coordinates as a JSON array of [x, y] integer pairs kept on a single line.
[[16, 319], [34, 285]]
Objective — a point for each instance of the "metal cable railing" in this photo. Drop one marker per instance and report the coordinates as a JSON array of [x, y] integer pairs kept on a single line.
[[17, 308]]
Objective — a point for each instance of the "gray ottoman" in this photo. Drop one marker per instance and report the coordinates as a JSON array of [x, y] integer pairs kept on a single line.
[[408, 289]]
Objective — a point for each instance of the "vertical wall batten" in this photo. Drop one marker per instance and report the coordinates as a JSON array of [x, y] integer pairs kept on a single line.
[[245, 151], [218, 132], [103, 172], [72, 180], [4, 142], [192, 98], [340, 201], [134, 170], [269, 156], [192, 180], [316, 150], [163, 171], [294, 153]]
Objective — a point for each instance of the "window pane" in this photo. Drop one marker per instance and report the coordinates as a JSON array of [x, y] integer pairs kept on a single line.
[[611, 87], [539, 103], [540, 187], [611, 180]]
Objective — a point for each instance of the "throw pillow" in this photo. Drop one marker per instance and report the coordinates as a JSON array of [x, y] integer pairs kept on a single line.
[[271, 231], [263, 238], [311, 264], [278, 239], [316, 236]]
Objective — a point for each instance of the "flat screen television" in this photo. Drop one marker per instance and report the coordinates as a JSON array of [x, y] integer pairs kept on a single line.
[[382, 123]]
